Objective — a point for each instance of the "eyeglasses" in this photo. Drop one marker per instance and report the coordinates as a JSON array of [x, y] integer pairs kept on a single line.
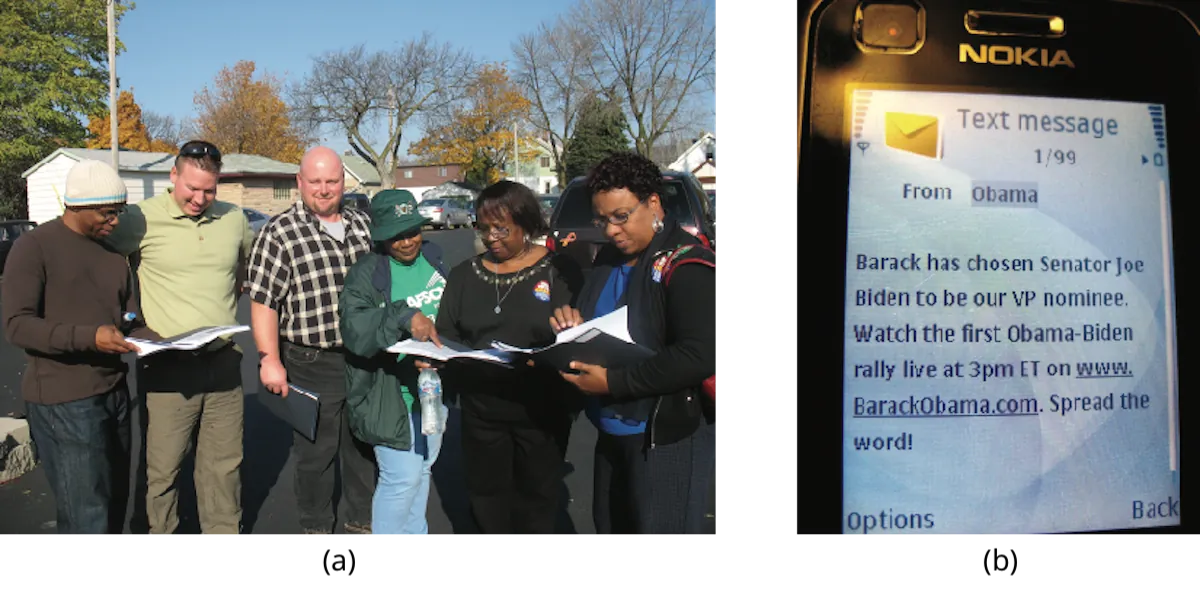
[[110, 214], [200, 150], [616, 219], [498, 232]]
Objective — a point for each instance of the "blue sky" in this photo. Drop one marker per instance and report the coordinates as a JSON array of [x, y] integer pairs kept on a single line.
[[173, 49]]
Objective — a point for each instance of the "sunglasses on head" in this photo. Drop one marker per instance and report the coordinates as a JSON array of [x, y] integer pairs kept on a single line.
[[200, 150]]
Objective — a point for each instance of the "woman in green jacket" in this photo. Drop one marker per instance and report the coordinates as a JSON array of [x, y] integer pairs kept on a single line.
[[390, 295]]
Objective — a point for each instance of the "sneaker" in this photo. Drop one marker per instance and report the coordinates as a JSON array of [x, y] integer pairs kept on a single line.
[[356, 528]]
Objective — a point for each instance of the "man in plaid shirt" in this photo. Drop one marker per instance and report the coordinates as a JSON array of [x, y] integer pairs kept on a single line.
[[297, 266]]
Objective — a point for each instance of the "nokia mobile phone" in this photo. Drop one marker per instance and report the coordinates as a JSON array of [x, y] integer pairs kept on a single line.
[[1011, 182]]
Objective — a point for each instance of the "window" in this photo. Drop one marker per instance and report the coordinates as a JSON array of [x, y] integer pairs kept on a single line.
[[408, 174], [442, 171], [545, 162], [283, 190]]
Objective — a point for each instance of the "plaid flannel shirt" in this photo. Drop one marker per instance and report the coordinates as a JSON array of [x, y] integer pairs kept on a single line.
[[298, 270]]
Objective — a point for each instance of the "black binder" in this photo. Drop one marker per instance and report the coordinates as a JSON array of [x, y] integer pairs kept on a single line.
[[594, 347], [299, 409]]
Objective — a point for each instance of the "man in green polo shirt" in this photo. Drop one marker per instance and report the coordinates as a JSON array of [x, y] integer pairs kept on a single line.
[[190, 251]]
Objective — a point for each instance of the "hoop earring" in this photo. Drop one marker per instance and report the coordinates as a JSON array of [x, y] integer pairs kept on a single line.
[[657, 224]]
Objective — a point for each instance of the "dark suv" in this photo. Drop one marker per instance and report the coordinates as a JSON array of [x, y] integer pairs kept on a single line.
[[683, 199], [10, 230], [358, 201]]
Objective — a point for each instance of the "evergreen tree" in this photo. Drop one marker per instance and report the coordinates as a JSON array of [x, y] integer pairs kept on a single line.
[[599, 132]]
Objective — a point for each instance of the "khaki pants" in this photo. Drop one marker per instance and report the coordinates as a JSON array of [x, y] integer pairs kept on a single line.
[[207, 392]]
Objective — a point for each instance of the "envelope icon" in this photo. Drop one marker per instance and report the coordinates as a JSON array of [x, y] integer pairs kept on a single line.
[[916, 134]]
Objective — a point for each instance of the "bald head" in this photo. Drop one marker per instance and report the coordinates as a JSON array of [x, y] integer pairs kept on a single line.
[[321, 181], [321, 157]]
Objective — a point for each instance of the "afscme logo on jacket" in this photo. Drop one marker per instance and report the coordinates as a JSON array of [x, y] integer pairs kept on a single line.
[[431, 295]]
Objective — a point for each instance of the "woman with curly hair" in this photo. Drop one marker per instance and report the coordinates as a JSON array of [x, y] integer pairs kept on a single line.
[[655, 452]]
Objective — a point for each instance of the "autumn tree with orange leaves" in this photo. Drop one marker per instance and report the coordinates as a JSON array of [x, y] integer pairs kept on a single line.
[[131, 131], [479, 131], [242, 114]]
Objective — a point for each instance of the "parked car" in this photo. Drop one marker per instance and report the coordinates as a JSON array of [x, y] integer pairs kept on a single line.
[[358, 201], [548, 202], [468, 205], [10, 230], [256, 218], [445, 213], [683, 198]]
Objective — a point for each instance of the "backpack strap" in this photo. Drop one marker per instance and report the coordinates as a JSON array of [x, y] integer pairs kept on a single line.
[[703, 255], [683, 255]]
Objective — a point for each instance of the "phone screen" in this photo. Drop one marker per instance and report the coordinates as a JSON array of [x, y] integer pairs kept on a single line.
[[1010, 359]]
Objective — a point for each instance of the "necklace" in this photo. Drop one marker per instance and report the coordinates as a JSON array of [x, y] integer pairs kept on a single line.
[[500, 300]]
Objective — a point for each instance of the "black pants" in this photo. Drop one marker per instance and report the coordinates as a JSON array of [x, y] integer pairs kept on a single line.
[[514, 467], [85, 447], [664, 490], [324, 372]]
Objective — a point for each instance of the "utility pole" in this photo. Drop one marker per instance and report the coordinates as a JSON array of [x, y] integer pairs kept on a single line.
[[112, 83], [516, 156]]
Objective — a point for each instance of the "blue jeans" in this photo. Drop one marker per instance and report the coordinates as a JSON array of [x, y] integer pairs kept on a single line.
[[402, 492], [84, 446]]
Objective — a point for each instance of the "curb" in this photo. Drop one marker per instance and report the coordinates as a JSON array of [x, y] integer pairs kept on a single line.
[[17, 454]]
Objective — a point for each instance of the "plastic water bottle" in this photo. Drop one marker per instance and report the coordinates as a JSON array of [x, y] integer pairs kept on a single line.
[[430, 385]]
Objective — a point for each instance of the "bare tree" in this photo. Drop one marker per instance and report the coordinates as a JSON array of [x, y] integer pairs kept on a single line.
[[655, 55], [552, 68], [361, 94], [167, 128]]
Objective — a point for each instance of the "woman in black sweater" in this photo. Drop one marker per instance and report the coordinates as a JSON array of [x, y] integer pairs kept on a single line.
[[655, 452], [515, 422]]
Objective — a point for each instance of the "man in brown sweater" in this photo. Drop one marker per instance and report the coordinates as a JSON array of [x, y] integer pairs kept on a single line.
[[69, 302]]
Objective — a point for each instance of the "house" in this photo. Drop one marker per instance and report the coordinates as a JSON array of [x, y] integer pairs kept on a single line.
[[452, 189], [700, 159], [361, 176], [246, 180], [418, 179], [258, 182], [538, 173]]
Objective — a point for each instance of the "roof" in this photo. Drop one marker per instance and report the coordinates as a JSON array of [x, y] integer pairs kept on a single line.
[[361, 169], [704, 140], [161, 162], [252, 164]]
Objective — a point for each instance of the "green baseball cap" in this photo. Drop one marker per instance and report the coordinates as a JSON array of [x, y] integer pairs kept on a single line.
[[394, 212]]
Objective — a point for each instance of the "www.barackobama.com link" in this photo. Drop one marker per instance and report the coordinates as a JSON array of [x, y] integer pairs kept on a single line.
[[933, 406]]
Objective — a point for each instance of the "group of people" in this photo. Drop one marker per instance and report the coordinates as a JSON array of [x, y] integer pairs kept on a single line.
[[331, 288]]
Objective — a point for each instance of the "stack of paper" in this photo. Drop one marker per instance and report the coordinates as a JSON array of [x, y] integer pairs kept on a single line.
[[602, 341], [450, 350], [188, 341]]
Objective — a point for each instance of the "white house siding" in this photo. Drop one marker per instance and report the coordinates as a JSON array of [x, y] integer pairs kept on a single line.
[[706, 171], [547, 184], [418, 192], [48, 183], [144, 185], [45, 187]]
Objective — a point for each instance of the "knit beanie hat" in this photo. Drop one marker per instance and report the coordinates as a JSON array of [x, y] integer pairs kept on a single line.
[[91, 182]]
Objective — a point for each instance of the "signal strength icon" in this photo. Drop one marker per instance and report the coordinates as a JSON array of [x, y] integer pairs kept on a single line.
[[1160, 131], [862, 100]]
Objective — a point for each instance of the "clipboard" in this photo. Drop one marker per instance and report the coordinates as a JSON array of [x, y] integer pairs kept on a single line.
[[300, 409]]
